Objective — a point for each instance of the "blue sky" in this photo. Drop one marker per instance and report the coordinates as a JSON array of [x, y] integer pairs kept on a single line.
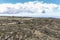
[[22, 1], [14, 1], [52, 1], [32, 8]]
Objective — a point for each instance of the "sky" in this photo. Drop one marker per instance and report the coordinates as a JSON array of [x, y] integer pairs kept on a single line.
[[22, 1], [30, 8]]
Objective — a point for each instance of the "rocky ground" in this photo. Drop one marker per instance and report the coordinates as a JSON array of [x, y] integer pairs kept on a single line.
[[20, 28]]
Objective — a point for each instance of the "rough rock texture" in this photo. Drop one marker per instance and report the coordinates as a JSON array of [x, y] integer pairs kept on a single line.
[[20, 28]]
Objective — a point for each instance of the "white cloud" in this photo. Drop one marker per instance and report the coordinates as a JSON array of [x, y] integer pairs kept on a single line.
[[31, 8]]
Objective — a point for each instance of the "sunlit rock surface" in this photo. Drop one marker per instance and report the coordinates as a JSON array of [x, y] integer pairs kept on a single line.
[[23, 28]]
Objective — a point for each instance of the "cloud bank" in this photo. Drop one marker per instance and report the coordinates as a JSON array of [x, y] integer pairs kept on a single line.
[[30, 8]]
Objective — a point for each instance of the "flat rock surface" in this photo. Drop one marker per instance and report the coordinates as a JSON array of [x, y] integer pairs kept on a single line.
[[22, 28]]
